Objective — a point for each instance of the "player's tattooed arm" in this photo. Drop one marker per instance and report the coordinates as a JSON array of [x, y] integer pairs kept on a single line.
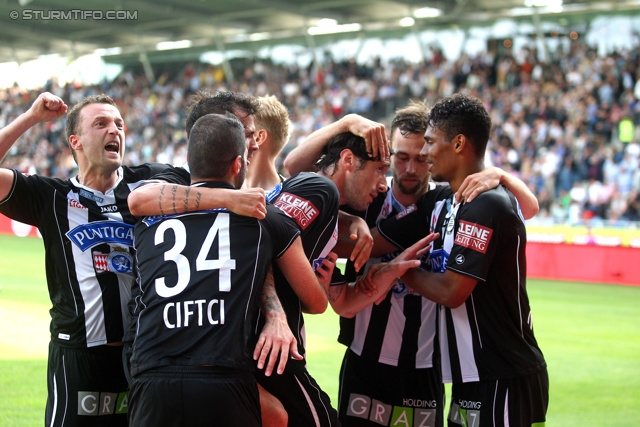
[[270, 303], [334, 293], [276, 339], [162, 198]]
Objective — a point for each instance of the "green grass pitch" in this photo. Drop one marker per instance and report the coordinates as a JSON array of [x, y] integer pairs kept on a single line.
[[589, 334]]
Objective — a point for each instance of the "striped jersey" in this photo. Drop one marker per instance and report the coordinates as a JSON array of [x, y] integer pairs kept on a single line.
[[490, 336], [201, 276], [401, 330], [88, 239]]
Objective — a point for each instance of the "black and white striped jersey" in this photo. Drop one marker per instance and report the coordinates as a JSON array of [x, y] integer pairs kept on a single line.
[[201, 275], [401, 330], [88, 239], [491, 335]]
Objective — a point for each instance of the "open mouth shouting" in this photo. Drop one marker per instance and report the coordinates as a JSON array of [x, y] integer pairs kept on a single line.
[[112, 146]]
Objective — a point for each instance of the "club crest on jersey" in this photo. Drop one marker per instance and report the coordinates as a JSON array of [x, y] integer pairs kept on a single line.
[[88, 235], [89, 195], [473, 236], [117, 261], [298, 208], [400, 290]]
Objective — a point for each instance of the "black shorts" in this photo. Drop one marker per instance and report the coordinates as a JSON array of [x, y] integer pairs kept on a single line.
[[373, 394], [521, 401], [194, 396], [86, 387], [303, 399]]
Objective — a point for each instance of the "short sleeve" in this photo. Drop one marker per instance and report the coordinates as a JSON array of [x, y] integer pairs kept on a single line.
[[174, 175], [282, 230]]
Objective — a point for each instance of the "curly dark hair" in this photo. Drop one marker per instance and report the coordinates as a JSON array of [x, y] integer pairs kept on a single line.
[[462, 114], [203, 102]]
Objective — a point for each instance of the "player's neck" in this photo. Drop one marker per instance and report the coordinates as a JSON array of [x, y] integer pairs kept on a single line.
[[262, 172], [97, 180], [464, 171]]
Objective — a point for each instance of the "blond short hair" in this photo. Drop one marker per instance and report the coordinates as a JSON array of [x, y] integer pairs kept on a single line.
[[274, 118]]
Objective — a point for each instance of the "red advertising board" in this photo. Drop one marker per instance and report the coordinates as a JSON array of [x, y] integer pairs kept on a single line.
[[11, 227], [593, 261]]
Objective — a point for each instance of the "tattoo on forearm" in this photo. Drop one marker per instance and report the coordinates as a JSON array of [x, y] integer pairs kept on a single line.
[[271, 304], [198, 198], [160, 198], [187, 191], [334, 293], [270, 300], [174, 192]]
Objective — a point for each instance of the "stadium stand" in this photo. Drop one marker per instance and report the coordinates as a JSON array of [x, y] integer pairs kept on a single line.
[[568, 127]]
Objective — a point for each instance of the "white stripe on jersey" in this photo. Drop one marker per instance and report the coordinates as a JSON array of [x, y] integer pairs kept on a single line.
[[390, 350], [464, 343], [360, 329], [461, 323], [426, 335], [96, 333]]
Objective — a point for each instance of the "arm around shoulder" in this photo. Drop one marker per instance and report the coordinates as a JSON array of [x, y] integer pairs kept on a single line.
[[163, 198], [477, 183]]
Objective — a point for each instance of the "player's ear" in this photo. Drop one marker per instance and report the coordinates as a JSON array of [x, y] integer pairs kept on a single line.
[[74, 142], [459, 142], [348, 159], [236, 166], [261, 136]]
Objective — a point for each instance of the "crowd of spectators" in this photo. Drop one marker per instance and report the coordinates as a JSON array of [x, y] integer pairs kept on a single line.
[[569, 127]]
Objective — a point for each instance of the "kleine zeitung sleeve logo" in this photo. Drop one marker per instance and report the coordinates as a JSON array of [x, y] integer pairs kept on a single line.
[[473, 236], [298, 208]]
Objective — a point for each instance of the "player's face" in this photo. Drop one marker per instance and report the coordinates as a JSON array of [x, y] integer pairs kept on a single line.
[[439, 152], [249, 133], [363, 184], [101, 139], [409, 168]]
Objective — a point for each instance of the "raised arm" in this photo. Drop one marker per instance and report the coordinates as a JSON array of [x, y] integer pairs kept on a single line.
[[45, 108], [489, 178], [304, 157], [163, 198], [296, 269]]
